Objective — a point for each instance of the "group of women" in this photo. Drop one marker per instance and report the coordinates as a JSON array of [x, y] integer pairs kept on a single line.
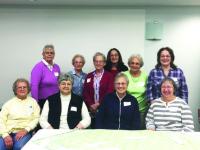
[[110, 97], [117, 97]]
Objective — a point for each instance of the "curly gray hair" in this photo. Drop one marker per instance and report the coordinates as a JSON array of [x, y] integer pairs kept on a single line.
[[14, 87]]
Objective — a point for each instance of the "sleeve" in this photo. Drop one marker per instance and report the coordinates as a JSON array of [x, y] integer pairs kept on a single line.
[[3, 118], [44, 116], [99, 122], [150, 119], [86, 120], [111, 84], [136, 120], [35, 117], [36, 76], [149, 90], [187, 119], [183, 90]]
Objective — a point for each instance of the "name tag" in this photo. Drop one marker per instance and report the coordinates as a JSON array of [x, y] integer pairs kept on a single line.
[[73, 108], [56, 74], [141, 83], [175, 79], [127, 103], [88, 80]]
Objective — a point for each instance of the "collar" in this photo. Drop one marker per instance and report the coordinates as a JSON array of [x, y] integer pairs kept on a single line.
[[94, 73], [21, 100], [162, 69], [74, 72], [120, 98], [46, 63], [161, 99]]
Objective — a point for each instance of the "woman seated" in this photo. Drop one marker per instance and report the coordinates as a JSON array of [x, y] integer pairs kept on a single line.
[[119, 110], [169, 112], [18, 117], [65, 110]]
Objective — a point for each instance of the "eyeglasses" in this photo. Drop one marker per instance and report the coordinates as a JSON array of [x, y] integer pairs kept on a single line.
[[134, 63], [66, 83], [167, 56], [78, 62], [51, 53], [22, 87], [166, 87], [114, 55], [122, 83], [99, 62]]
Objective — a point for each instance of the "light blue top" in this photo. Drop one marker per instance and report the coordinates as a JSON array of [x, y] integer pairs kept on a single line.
[[79, 80]]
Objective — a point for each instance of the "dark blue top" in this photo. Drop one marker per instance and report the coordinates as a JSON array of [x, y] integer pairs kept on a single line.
[[116, 114]]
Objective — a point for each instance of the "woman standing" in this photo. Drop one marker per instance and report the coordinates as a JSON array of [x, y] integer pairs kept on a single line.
[[44, 76], [97, 84], [137, 85], [166, 68], [114, 62], [77, 73]]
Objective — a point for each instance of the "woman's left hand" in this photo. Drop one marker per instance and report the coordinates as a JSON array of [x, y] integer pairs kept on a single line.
[[80, 126]]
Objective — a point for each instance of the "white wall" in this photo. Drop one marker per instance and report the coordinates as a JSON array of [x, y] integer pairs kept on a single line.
[[24, 32], [182, 34]]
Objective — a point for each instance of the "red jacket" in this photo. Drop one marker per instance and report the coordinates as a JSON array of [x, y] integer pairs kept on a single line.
[[106, 86]]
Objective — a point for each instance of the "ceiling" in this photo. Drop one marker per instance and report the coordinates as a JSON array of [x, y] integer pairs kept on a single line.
[[101, 2]]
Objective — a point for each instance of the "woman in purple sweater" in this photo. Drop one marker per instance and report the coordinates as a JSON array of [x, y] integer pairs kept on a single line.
[[44, 76]]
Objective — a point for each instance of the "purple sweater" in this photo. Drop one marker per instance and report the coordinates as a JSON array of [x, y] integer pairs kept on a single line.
[[43, 81]]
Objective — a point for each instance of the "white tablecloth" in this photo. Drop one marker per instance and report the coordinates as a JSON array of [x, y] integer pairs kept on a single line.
[[47, 139]]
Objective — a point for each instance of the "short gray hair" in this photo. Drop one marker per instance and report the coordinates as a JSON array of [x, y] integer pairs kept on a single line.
[[48, 46], [138, 56], [171, 81], [65, 77], [99, 54], [76, 56], [14, 87], [121, 75]]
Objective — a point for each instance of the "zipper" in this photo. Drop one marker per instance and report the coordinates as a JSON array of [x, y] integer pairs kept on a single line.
[[119, 114]]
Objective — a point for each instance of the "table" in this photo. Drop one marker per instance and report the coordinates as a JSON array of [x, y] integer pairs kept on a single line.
[[49, 139]]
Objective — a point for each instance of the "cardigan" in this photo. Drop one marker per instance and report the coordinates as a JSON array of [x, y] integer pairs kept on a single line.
[[44, 82], [106, 86]]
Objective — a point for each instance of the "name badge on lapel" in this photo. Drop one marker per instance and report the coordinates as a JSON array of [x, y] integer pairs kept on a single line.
[[127, 103], [88, 80], [73, 108], [56, 74]]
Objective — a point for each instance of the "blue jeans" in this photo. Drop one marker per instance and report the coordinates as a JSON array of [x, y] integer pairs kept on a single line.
[[17, 145]]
